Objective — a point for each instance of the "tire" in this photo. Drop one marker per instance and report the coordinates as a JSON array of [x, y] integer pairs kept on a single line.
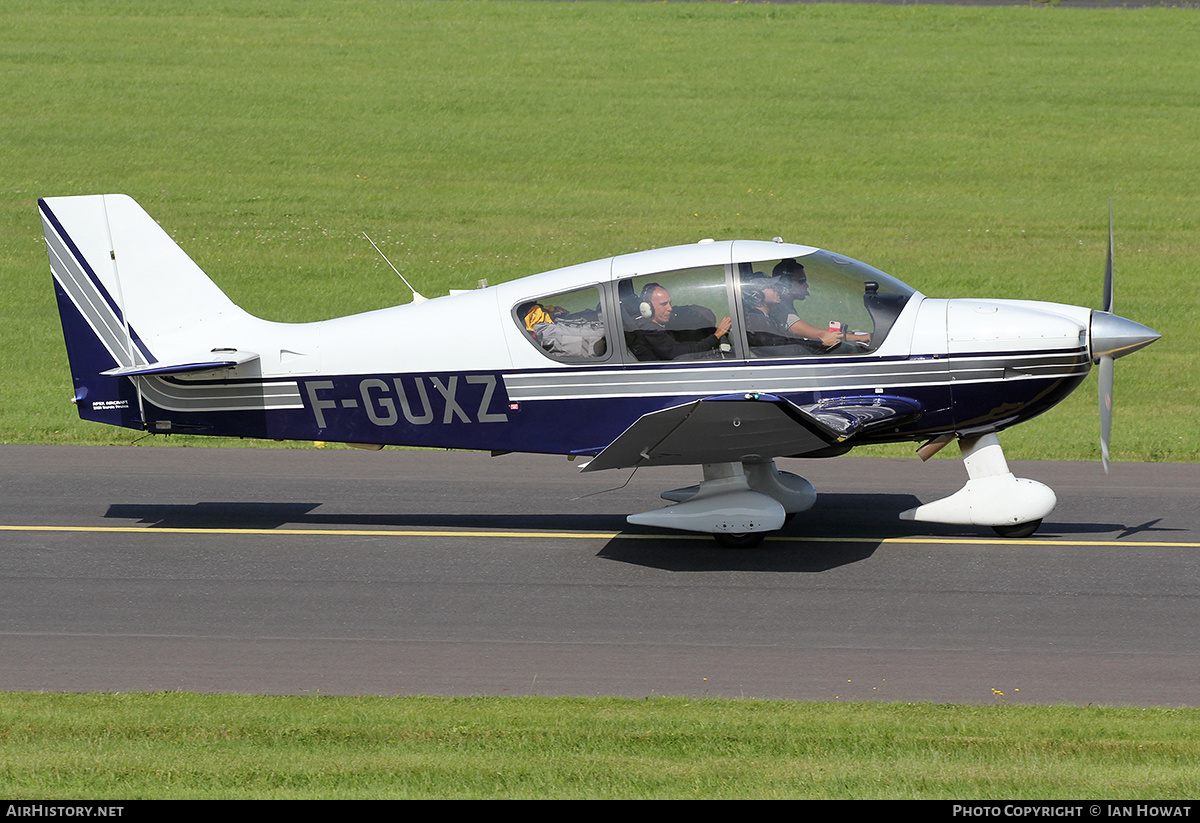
[[744, 540], [1018, 530]]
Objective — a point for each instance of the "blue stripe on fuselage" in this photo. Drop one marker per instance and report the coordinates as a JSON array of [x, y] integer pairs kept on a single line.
[[473, 410], [466, 410]]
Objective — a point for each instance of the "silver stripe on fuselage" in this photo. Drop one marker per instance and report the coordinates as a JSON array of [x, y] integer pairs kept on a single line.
[[845, 374], [220, 397]]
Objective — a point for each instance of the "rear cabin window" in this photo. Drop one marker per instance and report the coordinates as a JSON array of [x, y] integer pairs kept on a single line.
[[567, 326]]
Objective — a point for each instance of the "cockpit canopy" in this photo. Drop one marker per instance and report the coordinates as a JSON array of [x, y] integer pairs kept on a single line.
[[817, 303]]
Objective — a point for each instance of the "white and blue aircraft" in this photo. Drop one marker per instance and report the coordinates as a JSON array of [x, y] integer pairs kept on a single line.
[[725, 355]]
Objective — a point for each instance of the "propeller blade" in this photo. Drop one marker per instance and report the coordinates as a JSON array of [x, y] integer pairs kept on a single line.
[[1106, 359], [1107, 304], [1106, 393]]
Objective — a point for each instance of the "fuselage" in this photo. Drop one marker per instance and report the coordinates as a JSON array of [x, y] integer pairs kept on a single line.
[[467, 370]]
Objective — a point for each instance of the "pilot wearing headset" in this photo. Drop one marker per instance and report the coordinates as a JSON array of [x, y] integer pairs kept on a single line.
[[762, 297], [793, 285], [654, 339], [769, 325]]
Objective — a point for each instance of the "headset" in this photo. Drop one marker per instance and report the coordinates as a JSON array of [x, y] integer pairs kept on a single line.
[[646, 309], [752, 289]]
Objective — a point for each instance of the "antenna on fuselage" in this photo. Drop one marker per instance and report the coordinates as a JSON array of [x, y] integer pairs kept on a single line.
[[417, 297]]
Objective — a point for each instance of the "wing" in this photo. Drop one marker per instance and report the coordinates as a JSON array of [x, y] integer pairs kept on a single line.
[[747, 428]]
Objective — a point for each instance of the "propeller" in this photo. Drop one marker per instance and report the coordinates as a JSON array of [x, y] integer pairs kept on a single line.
[[1112, 337], [1106, 360]]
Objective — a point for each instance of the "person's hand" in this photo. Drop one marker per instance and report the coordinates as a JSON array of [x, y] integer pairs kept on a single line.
[[829, 339], [723, 327]]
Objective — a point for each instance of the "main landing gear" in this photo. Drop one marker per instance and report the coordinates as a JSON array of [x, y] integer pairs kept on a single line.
[[737, 503]]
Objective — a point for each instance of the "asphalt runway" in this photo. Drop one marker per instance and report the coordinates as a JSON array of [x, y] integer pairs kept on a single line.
[[414, 572]]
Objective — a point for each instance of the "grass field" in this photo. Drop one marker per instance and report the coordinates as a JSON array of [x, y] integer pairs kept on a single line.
[[969, 151], [224, 746]]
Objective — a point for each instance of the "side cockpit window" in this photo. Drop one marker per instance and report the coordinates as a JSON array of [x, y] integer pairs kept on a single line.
[[817, 304], [676, 315], [567, 326]]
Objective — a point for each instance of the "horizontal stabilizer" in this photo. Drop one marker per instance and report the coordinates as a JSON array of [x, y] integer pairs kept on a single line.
[[216, 359]]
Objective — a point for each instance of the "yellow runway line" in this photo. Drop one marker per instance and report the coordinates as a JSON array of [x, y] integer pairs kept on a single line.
[[559, 535]]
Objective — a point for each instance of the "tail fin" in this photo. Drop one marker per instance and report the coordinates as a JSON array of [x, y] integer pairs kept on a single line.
[[131, 302]]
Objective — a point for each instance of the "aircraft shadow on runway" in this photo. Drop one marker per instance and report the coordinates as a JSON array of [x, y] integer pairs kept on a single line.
[[834, 515], [671, 551], [841, 529]]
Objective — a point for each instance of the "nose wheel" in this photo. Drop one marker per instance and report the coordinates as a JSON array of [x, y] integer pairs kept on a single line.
[[1012, 506], [1018, 529]]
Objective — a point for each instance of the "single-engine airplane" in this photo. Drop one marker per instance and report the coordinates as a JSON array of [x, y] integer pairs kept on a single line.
[[726, 355]]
